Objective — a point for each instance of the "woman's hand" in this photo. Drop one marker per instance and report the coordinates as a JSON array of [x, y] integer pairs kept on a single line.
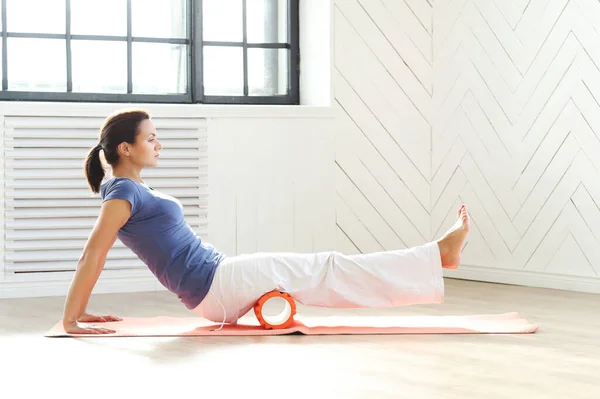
[[88, 318], [81, 328]]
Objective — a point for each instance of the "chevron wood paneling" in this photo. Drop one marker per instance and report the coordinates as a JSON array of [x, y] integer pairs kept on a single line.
[[516, 131], [491, 103], [383, 97]]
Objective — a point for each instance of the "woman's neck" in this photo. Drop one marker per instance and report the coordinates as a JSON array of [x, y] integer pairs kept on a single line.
[[129, 174]]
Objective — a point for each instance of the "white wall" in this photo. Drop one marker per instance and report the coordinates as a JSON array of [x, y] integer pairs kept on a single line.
[[383, 87], [515, 135], [316, 86], [493, 104], [271, 184], [488, 103]]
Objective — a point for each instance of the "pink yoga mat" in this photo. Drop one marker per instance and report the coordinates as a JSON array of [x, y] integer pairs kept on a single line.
[[508, 323]]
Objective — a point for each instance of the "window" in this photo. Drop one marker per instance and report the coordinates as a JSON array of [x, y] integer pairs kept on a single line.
[[164, 51]]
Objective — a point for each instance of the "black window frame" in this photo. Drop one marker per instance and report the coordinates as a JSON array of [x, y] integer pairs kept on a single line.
[[195, 44]]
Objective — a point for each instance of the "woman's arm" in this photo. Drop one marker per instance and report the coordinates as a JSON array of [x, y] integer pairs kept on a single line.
[[113, 215]]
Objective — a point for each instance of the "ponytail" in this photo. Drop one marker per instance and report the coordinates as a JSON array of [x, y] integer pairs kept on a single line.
[[94, 172]]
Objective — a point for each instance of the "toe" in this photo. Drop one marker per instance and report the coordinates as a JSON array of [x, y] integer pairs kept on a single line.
[[464, 215]]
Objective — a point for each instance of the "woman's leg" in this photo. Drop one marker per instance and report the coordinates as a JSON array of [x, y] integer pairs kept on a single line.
[[334, 280]]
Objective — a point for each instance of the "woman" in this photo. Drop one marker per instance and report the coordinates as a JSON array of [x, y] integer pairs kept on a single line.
[[222, 288]]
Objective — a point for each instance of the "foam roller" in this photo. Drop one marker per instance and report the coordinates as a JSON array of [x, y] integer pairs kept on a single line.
[[283, 320]]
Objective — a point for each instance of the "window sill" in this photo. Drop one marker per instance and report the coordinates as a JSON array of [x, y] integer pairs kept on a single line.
[[26, 108]]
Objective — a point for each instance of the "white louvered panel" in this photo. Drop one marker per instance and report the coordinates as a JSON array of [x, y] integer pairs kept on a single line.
[[65, 243], [23, 184], [35, 173], [49, 209], [74, 164], [54, 255], [71, 233], [72, 203], [83, 192], [62, 266], [31, 152], [71, 212], [69, 222]]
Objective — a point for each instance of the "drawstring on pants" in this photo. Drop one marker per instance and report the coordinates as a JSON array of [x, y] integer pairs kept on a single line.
[[224, 313]]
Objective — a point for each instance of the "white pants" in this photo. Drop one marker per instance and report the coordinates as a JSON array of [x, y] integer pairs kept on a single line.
[[326, 279]]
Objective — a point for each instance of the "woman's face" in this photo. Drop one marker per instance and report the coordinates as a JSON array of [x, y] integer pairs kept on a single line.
[[144, 152]]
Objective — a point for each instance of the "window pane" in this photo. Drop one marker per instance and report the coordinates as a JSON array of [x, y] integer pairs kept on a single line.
[[222, 20], [267, 71], [89, 17], [159, 18], [159, 68], [267, 21], [37, 64], [223, 71], [36, 16], [99, 67]]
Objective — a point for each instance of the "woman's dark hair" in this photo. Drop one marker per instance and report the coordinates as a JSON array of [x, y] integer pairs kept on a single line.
[[120, 127]]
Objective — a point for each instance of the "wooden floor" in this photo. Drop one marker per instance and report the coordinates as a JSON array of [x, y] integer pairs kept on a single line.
[[561, 360]]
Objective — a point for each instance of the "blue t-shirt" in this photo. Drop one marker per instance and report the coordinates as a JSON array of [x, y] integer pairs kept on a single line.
[[159, 235]]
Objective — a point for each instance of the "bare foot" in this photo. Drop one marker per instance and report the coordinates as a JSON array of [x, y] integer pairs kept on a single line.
[[452, 243]]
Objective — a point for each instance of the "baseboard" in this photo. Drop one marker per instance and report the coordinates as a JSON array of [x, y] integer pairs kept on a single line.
[[31, 289], [526, 278]]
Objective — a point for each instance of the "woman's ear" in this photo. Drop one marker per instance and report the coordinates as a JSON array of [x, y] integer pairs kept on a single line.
[[124, 149]]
